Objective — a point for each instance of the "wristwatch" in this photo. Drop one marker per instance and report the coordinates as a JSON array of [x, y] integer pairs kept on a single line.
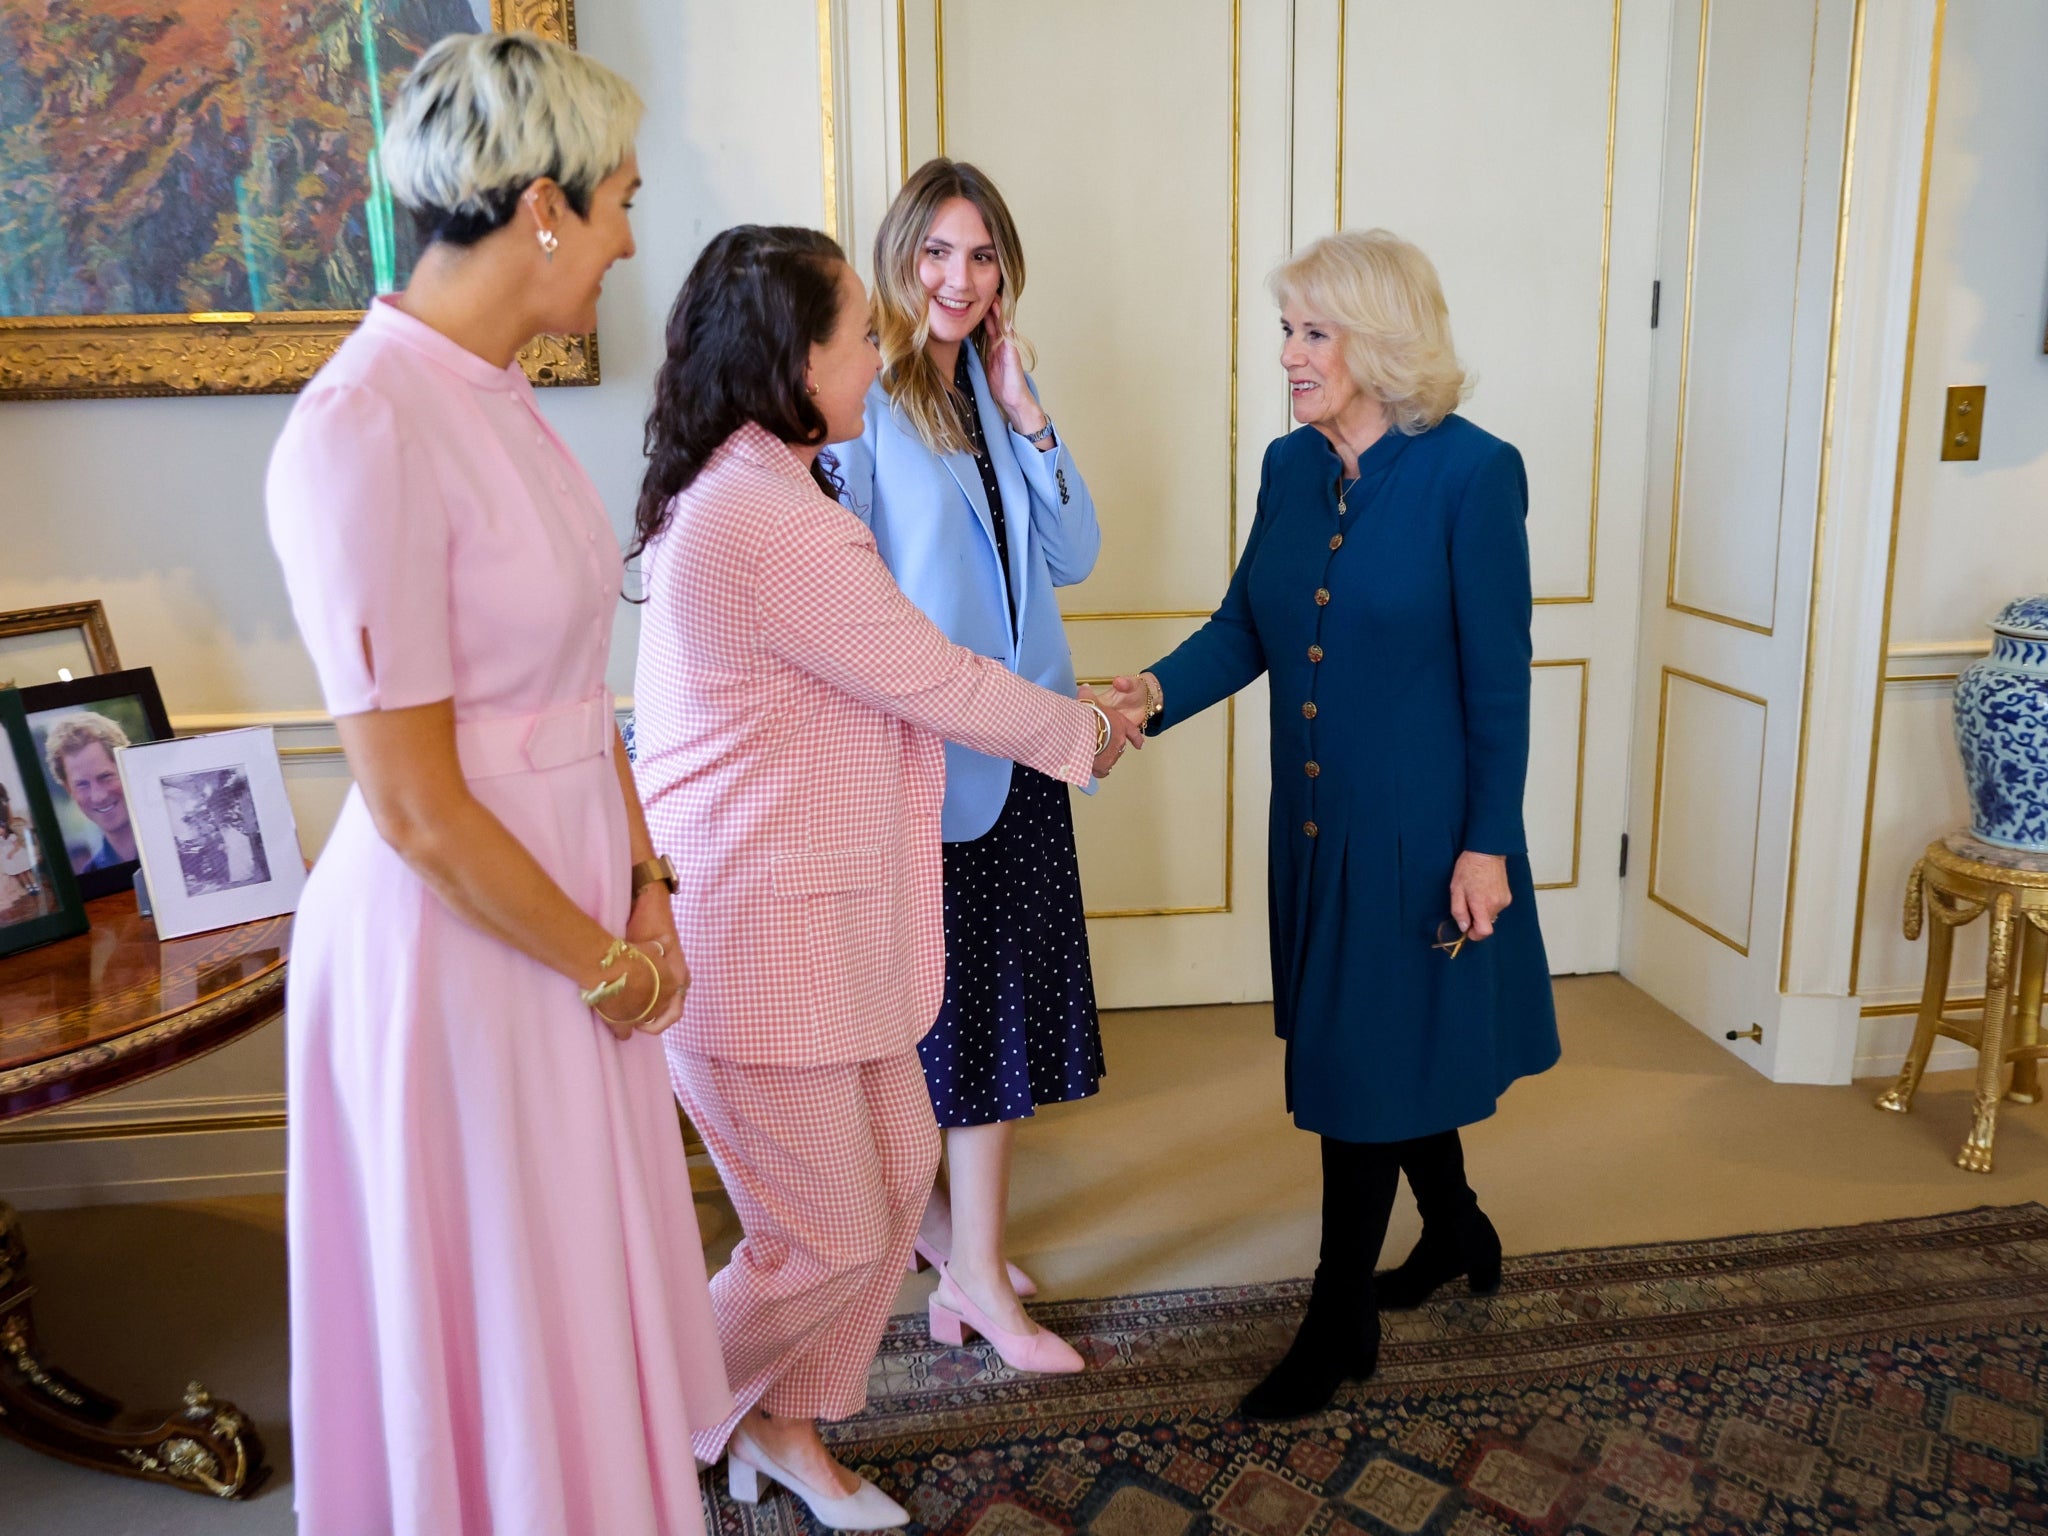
[[654, 871], [1044, 432]]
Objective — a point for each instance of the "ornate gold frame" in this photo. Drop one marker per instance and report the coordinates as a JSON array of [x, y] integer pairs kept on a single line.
[[89, 618], [237, 353]]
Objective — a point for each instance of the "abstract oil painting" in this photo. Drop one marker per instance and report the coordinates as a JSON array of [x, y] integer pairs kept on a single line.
[[191, 195]]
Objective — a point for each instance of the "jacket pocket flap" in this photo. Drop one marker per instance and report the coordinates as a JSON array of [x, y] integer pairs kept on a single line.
[[821, 874]]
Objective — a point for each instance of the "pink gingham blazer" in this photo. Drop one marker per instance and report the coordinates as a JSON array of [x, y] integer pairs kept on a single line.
[[790, 703]]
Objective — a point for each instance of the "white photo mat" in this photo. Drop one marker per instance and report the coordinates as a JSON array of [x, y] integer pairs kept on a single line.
[[215, 829]]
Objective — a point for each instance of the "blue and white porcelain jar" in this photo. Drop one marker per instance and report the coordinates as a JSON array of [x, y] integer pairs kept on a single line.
[[2002, 729]]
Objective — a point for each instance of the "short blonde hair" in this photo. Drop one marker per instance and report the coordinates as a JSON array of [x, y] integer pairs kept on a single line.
[[1382, 295], [902, 309], [484, 115], [74, 732]]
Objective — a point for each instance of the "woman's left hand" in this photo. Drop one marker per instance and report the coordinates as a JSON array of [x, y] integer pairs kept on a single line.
[[1006, 379], [653, 923], [1479, 893]]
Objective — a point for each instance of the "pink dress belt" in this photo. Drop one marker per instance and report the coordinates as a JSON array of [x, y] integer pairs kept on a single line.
[[553, 738]]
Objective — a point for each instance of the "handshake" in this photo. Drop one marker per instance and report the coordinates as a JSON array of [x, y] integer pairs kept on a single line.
[[1125, 701]]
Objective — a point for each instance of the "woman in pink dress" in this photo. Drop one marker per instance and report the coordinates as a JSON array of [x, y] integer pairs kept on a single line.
[[792, 706], [500, 1325]]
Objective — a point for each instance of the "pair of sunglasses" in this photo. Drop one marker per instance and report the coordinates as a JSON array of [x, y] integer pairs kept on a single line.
[[1450, 938]]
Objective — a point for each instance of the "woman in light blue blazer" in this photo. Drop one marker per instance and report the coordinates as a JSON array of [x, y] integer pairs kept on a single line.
[[980, 512]]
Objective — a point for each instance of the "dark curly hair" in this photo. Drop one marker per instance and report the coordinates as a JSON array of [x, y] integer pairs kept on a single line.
[[739, 338]]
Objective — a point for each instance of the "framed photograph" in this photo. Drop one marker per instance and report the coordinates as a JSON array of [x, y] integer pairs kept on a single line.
[[215, 829], [39, 901], [55, 644], [78, 728], [195, 203]]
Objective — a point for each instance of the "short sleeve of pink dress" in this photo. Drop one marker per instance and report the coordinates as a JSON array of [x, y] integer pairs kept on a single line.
[[499, 1313], [367, 533]]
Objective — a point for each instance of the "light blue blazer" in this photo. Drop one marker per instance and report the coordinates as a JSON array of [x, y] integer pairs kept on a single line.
[[931, 521]]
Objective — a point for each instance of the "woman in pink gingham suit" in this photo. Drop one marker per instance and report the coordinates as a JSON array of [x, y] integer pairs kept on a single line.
[[791, 708]]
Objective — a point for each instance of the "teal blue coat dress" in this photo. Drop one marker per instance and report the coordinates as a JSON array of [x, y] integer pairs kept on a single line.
[[1396, 639]]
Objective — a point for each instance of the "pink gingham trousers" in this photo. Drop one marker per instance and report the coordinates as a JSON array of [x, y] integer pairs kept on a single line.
[[829, 1168]]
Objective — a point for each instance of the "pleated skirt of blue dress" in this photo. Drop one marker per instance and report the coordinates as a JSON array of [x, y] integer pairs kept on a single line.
[[1018, 1026]]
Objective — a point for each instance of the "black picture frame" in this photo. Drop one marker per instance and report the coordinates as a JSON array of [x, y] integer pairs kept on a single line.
[[134, 688], [39, 900]]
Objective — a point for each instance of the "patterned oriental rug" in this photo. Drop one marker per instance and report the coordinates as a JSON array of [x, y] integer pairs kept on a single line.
[[1889, 1378]]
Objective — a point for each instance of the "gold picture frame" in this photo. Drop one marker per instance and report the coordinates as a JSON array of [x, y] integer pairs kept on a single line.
[[88, 620], [237, 352]]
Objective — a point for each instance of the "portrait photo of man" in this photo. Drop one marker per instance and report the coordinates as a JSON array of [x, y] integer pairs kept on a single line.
[[79, 753]]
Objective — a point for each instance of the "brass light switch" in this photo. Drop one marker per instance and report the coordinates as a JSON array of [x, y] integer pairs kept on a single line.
[[1962, 425]]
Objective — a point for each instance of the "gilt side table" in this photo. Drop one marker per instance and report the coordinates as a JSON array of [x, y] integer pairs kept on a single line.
[[1957, 880], [77, 1018]]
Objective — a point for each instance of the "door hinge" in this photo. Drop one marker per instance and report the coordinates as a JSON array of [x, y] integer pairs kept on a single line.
[[1624, 855], [1656, 296]]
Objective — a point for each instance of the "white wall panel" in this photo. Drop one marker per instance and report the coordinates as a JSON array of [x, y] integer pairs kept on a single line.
[[1479, 131], [1919, 795], [1553, 802], [1710, 756], [1746, 217], [1128, 229]]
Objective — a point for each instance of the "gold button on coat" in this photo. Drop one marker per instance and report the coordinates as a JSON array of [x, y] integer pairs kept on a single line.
[[1336, 541], [1308, 710], [1312, 769], [1308, 829], [1322, 597], [1315, 653]]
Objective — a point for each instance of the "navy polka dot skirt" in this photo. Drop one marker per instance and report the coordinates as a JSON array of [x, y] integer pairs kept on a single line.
[[1018, 1026]]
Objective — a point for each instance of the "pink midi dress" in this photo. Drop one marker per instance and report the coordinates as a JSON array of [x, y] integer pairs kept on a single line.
[[500, 1325]]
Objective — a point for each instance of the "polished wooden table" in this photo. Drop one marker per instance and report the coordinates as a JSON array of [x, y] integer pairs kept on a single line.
[[77, 1018]]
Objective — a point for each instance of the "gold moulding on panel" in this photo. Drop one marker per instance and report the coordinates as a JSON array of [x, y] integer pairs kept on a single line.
[[1891, 559], [827, 118], [1657, 801], [1827, 455], [1585, 666]]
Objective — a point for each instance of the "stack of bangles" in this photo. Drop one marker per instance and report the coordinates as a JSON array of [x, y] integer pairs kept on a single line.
[[606, 990]]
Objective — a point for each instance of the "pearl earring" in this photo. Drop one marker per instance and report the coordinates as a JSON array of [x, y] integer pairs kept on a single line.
[[548, 242]]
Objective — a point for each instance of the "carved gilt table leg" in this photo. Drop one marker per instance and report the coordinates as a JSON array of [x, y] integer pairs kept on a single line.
[[1975, 1156], [206, 1445], [2026, 1019], [1941, 943]]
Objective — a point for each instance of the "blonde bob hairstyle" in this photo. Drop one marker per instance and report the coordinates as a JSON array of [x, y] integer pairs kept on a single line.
[[484, 115], [1382, 297], [902, 308]]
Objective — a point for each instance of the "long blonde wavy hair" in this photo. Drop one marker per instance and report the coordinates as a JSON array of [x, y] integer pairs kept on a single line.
[[902, 308]]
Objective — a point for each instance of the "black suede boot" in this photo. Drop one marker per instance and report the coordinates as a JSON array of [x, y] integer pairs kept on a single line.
[[1457, 1239], [1339, 1338]]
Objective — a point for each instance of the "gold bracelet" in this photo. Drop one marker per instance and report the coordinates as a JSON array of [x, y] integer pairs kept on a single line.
[[612, 988], [653, 1001]]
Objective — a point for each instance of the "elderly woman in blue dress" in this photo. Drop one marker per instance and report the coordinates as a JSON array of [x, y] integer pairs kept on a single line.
[[1384, 590], [980, 512]]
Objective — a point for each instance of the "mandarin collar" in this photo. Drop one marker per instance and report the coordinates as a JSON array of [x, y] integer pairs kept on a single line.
[[387, 320]]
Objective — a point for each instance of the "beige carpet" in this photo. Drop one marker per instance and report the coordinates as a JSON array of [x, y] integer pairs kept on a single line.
[[1184, 1172]]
